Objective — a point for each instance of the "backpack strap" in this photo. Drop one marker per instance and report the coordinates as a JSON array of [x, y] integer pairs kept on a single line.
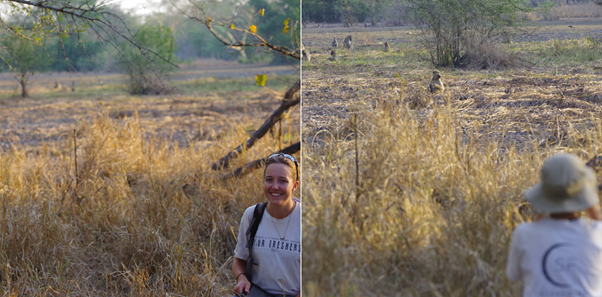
[[251, 231]]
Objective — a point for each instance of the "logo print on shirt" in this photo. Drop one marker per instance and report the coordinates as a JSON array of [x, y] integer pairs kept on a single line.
[[278, 245], [555, 264]]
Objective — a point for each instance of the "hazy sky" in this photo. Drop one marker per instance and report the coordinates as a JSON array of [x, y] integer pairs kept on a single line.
[[138, 6]]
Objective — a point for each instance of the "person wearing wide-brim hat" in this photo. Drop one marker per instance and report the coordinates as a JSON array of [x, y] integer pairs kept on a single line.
[[560, 254]]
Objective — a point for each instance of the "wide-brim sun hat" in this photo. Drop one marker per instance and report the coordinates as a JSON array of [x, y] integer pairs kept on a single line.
[[566, 185]]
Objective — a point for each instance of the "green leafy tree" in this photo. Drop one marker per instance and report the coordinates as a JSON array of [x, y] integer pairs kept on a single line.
[[146, 74], [271, 24], [64, 22], [319, 11], [23, 58], [447, 24]]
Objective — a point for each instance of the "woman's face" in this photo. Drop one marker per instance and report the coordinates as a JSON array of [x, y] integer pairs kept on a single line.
[[278, 184]]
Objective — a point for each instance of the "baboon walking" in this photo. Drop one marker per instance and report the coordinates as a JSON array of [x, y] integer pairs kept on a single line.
[[387, 47], [333, 56], [436, 85], [347, 42], [335, 43]]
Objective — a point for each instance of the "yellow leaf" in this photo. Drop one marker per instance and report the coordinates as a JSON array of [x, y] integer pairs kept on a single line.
[[261, 11], [285, 29], [232, 26], [397, 75], [286, 22], [261, 79], [253, 28]]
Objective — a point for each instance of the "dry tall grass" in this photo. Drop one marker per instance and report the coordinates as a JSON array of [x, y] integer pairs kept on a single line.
[[440, 177], [434, 209], [138, 216]]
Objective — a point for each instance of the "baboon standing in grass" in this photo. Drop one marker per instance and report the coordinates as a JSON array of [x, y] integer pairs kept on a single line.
[[306, 55], [387, 47], [333, 56], [334, 42], [347, 42], [436, 85]]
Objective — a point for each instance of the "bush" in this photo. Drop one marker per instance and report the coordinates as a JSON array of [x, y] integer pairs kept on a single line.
[[146, 73], [448, 23], [487, 54]]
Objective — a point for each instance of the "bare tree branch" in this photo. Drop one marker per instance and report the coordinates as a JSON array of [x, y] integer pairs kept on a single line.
[[249, 167], [291, 98], [261, 41], [80, 13]]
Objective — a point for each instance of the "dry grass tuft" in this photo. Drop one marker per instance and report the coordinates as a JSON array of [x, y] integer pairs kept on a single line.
[[481, 54]]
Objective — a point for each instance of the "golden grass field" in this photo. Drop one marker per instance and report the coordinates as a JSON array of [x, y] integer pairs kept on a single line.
[[137, 211], [409, 194]]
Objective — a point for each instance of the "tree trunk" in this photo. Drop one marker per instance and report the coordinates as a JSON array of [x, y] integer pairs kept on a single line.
[[23, 87]]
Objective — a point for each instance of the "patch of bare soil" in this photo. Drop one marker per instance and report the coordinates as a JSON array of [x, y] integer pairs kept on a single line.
[[180, 120], [526, 109]]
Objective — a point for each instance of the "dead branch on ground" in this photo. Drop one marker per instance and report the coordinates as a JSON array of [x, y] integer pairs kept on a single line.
[[291, 98], [249, 167]]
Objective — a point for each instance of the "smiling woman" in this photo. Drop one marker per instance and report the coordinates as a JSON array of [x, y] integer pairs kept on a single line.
[[268, 253]]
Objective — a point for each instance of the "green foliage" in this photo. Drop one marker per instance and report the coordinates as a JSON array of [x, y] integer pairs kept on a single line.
[[77, 52], [23, 58], [319, 11], [146, 72], [344, 10], [270, 26], [448, 24]]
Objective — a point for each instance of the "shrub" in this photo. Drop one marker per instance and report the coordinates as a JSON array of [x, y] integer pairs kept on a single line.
[[447, 23]]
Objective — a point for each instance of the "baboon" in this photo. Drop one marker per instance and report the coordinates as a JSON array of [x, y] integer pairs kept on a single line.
[[365, 25], [347, 42], [387, 47], [57, 85], [436, 85], [333, 56], [347, 25], [306, 55], [335, 43]]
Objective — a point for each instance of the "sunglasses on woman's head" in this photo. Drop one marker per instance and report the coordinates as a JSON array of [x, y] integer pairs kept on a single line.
[[291, 158]]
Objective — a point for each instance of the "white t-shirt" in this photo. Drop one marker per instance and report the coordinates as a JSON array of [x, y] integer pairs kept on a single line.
[[557, 258], [279, 260]]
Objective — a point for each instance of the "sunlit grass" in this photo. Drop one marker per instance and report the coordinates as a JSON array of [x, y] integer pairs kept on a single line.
[[142, 214]]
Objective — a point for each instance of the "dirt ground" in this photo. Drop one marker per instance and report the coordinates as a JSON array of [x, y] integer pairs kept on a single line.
[[532, 105], [51, 115]]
